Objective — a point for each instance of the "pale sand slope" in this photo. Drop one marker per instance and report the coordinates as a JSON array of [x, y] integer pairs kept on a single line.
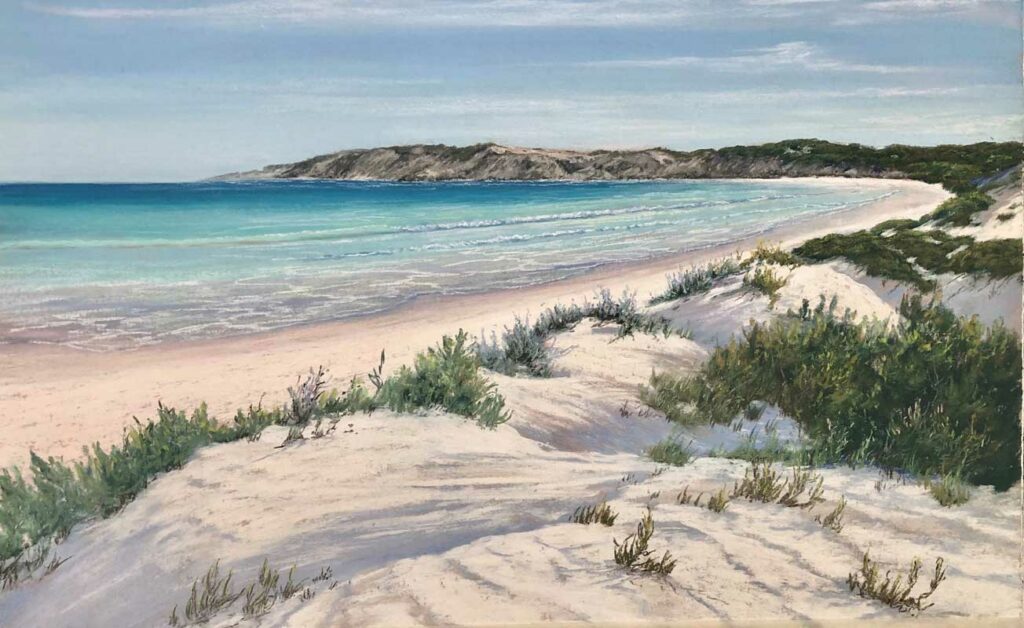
[[55, 400], [431, 520]]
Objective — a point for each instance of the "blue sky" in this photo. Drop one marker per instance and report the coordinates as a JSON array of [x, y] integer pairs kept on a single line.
[[159, 90]]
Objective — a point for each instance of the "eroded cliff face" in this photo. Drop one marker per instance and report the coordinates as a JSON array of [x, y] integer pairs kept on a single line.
[[504, 163]]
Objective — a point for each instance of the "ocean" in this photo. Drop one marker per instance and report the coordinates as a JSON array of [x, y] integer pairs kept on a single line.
[[115, 266]]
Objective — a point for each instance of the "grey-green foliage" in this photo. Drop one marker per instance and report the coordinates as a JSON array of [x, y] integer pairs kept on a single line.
[[697, 280], [525, 349], [522, 349]]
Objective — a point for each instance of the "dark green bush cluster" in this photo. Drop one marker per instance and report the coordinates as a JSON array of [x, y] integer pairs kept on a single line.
[[959, 211], [697, 280], [935, 394], [956, 167], [886, 251]]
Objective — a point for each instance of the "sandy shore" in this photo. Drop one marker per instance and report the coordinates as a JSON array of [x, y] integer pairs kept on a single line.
[[55, 400]]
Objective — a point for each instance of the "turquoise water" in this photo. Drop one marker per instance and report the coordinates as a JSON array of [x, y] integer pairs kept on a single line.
[[114, 266]]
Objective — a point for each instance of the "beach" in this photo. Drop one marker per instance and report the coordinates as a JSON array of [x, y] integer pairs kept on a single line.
[[55, 400]]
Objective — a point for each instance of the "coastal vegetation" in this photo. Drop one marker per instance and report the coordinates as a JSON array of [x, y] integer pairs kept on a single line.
[[896, 592], [670, 451], [913, 251], [600, 513], [41, 507], [633, 553], [697, 280], [935, 394], [525, 349], [765, 280]]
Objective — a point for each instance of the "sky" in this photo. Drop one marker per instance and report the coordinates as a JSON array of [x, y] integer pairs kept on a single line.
[[172, 90]]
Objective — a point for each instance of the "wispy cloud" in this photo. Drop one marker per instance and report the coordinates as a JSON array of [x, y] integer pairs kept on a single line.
[[535, 13], [797, 55]]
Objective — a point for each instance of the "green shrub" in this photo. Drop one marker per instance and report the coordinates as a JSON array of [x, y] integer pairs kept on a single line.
[[770, 254], [446, 377], [959, 211], [949, 491], [887, 249], [996, 258], [1004, 217], [895, 593], [766, 281], [697, 280], [670, 451], [935, 394]]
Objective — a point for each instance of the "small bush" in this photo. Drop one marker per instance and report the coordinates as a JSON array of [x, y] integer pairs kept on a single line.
[[771, 254], [834, 520], [521, 350], [671, 394], [601, 513], [697, 280], [634, 555], [671, 451], [213, 593], [305, 397], [261, 595], [1004, 217], [950, 491], [446, 377], [719, 501], [766, 281], [762, 483], [895, 593]]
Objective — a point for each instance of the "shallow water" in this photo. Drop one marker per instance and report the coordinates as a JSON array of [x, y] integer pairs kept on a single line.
[[121, 265]]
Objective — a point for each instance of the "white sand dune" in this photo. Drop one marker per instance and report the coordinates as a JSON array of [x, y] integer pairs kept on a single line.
[[432, 520]]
